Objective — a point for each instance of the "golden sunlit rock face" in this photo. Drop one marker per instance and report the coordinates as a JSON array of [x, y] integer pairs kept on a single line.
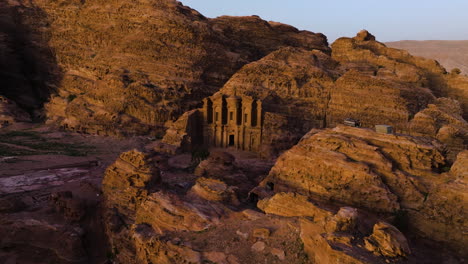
[[163, 136], [301, 89], [383, 173]]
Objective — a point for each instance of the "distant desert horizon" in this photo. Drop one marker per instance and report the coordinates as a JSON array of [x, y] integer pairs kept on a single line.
[[449, 53]]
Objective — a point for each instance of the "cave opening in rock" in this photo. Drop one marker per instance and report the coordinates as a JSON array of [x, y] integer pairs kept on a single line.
[[270, 186]]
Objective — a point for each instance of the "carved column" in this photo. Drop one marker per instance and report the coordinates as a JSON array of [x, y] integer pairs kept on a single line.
[[259, 113], [247, 106], [205, 110]]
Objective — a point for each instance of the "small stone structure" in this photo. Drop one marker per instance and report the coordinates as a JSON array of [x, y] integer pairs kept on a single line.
[[232, 121], [385, 129]]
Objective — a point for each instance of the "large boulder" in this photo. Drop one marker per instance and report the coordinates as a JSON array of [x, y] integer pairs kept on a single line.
[[127, 182], [214, 190], [386, 240]]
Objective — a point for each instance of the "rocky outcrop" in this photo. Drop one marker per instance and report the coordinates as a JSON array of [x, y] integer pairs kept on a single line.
[[457, 88], [214, 190], [330, 237], [443, 216], [151, 249], [345, 220], [127, 182], [415, 79], [450, 53], [375, 100], [168, 212], [387, 241], [221, 165], [185, 134], [379, 172], [386, 85], [260, 37], [443, 121], [323, 247], [292, 204]]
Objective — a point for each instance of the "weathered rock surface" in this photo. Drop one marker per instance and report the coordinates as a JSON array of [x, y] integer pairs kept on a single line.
[[325, 247], [443, 216], [293, 85], [194, 225], [301, 89], [214, 190], [165, 211], [127, 182], [62, 243], [345, 220], [72, 208], [327, 237], [443, 120], [411, 74], [396, 83], [375, 100], [379, 172], [185, 133], [457, 88], [10, 113], [221, 165], [29, 71], [387, 241], [123, 68], [292, 204]]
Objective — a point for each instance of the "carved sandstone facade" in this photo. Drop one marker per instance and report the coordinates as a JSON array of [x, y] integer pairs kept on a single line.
[[231, 121]]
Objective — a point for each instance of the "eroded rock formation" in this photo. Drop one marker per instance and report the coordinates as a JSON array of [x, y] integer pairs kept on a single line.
[[380, 172], [301, 89], [127, 68], [443, 120]]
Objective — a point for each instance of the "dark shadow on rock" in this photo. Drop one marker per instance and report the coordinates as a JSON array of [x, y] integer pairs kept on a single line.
[[29, 72]]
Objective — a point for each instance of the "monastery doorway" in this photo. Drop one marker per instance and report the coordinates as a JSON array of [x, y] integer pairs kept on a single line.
[[231, 140]]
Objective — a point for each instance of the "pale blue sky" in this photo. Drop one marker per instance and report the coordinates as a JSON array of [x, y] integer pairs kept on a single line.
[[388, 20]]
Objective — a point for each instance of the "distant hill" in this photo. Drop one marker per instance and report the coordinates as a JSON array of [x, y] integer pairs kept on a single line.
[[450, 53]]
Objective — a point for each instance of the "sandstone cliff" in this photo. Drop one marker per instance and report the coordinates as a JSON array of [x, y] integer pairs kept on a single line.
[[363, 79], [119, 68], [28, 69], [128, 67]]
